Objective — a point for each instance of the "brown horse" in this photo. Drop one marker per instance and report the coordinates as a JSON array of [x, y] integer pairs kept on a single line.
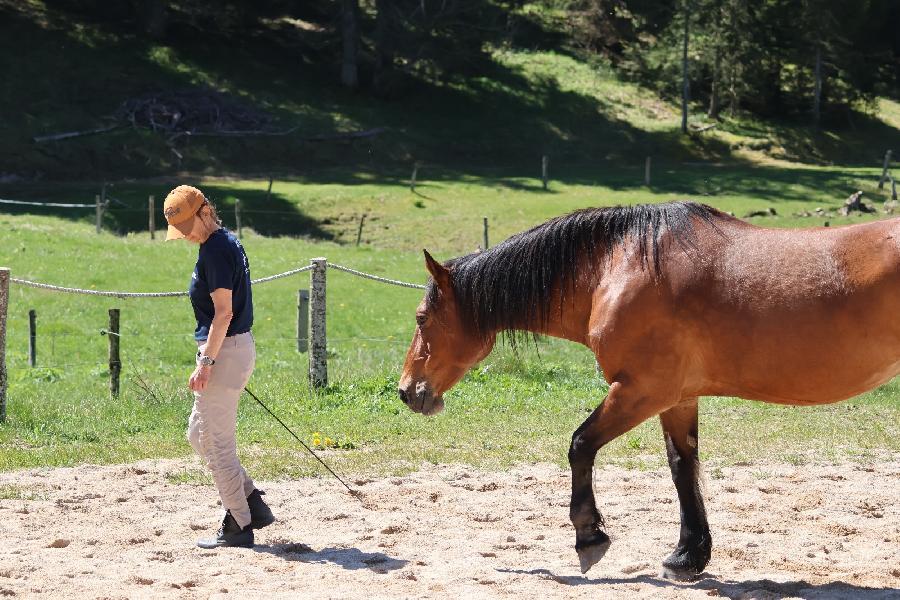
[[676, 301]]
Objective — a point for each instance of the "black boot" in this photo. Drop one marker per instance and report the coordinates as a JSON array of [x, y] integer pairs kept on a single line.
[[230, 534], [260, 513]]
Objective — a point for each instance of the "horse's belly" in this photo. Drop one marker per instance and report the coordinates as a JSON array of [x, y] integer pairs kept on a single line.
[[808, 362], [803, 389]]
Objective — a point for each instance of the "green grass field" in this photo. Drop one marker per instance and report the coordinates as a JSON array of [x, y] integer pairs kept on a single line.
[[480, 141], [514, 407]]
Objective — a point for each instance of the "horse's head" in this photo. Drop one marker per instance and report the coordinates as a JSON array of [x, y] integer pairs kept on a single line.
[[443, 348]]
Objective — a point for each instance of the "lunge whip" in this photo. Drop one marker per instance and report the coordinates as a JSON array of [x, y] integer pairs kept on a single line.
[[353, 492]]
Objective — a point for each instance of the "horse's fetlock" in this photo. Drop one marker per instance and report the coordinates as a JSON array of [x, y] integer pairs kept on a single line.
[[585, 518]]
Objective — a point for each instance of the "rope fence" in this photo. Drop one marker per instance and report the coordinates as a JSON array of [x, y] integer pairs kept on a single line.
[[376, 277], [311, 322], [51, 204], [123, 295]]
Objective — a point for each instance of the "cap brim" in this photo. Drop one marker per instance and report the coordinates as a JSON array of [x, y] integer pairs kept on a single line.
[[179, 231]]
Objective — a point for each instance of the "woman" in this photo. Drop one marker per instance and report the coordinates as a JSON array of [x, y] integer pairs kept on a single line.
[[223, 306]]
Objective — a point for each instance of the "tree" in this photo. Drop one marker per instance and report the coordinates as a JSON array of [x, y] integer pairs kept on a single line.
[[153, 18], [350, 45], [685, 81], [384, 58], [820, 33]]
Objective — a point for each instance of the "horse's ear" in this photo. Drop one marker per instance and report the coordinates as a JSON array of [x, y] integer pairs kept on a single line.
[[440, 274]]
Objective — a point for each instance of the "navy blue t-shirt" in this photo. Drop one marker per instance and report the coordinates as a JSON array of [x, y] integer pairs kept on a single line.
[[221, 263]]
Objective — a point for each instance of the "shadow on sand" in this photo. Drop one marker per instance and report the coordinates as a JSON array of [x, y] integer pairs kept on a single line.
[[750, 588], [351, 559]]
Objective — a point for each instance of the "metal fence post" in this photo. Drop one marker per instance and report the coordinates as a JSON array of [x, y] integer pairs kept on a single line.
[[115, 365], [486, 233], [32, 338], [318, 359], [545, 170], [152, 217], [4, 304], [237, 215], [647, 172], [99, 211], [302, 320], [884, 170]]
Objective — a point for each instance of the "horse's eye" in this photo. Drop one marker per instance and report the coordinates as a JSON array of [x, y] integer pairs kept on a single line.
[[421, 319]]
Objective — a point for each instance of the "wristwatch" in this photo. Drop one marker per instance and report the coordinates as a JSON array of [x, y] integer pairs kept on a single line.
[[206, 361]]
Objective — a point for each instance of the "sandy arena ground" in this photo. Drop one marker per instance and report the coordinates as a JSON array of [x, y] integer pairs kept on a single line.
[[448, 532]]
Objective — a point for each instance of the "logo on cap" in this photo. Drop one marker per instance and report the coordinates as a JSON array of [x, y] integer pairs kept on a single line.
[[172, 211]]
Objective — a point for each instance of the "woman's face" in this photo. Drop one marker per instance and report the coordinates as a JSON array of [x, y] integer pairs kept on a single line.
[[202, 228]]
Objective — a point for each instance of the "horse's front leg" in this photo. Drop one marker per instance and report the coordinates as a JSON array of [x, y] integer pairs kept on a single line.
[[694, 548], [623, 409]]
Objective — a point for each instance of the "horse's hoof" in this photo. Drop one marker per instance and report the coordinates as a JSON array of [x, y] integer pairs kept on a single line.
[[591, 551], [676, 574], [685, 565]]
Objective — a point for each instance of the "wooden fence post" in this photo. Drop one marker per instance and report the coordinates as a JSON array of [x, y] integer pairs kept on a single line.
[[647, 172], [486, 246], [4, 304], [99, 211], [318, 357], [302, 320], [884, 170], [545, 170], [362, 220], [32, 338], [237, 216], [152, 217], [115, 365]]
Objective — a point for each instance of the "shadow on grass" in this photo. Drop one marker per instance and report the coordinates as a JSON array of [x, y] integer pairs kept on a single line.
[[128, 207], [276, 215]]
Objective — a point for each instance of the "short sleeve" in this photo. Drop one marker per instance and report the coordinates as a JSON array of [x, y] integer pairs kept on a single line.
[[219, 269]]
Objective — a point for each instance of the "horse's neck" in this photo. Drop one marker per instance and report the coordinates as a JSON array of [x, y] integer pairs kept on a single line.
[[568, 319]]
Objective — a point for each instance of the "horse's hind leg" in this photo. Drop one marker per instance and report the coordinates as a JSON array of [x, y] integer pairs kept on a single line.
[[623, 409], [690, 557]]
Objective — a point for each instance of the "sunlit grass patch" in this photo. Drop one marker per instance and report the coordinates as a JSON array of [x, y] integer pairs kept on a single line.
[[15, 492]]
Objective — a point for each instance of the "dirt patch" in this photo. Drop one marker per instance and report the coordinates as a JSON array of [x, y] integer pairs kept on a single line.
[[451, 532]]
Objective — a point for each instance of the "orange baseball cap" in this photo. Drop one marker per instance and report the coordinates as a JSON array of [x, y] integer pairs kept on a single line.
[[180, 206]]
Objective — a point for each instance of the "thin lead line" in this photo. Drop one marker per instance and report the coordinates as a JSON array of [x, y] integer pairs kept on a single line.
[[353, 492]]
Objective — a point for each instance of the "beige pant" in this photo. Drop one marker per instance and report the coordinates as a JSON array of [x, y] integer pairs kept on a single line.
[[211, 428]]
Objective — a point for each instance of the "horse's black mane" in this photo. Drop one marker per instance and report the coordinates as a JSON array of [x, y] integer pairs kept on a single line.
[[511, 285]]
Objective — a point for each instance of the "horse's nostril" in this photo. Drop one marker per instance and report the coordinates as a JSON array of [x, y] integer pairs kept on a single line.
[[403, 396]]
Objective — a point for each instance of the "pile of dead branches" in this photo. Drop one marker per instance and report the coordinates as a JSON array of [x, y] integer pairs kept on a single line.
[[194, 112], [198, 112]]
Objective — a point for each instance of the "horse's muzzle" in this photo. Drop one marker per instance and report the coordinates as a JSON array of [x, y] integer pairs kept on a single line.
[[423, 400]]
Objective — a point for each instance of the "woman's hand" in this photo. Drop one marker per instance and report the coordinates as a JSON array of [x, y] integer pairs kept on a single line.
[[199, 378]]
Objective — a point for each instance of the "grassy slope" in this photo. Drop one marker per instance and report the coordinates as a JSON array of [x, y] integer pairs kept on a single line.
[[511, 408]]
